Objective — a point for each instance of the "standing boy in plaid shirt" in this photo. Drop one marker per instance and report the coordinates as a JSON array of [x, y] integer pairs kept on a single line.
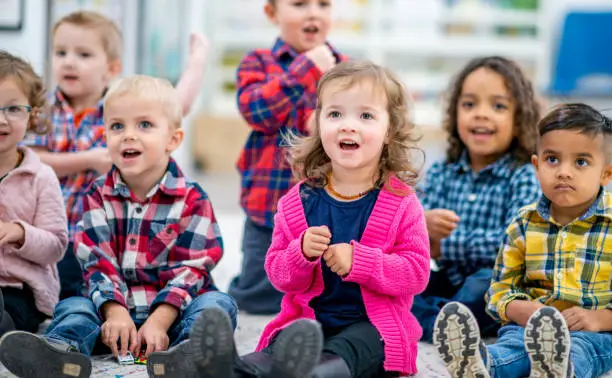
[[86, 57], [551, 285], [276, 96], [147, 243]]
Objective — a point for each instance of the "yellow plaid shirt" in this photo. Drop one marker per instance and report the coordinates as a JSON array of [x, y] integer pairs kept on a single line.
[[560, 266]]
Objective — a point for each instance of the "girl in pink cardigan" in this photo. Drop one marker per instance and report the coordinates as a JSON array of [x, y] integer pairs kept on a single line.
[[350, 247], [33, 230]]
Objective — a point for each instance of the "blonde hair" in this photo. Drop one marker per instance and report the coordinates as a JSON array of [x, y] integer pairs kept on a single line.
[[307, 156], [32, 86], [151, 89], [112, 40]]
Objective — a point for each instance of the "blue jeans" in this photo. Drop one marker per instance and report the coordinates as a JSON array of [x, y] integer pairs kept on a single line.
[[590, 353], [251, 288], [440, 291], [76, 320]]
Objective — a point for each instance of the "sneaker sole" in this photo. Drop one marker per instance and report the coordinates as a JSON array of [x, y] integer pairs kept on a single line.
[[547, 341], [457, 338], [212, 340], [172, 363], [297, 350], [29, 356]]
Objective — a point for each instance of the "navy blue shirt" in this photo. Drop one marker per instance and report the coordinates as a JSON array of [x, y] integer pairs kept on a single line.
[[341, 303]]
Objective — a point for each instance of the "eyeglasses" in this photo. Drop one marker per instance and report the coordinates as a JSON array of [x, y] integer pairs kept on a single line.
[[16, 112]]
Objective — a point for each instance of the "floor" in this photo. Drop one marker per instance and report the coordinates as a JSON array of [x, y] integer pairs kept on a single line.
[[223, 190]]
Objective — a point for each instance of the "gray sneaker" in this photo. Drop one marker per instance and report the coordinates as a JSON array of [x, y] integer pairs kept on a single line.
[[547, 341], [175, 362], [457, 338], [30, 356]]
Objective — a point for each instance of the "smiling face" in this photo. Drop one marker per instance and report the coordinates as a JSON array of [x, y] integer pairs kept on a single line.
[[485, 117], [303, 24], [353, 125], [571, 166]]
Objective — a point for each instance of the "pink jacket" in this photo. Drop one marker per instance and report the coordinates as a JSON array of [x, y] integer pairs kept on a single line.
[[390, 263], [31, 196]]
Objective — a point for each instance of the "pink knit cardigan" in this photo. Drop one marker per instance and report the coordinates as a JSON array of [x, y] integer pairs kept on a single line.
[[390, 263]]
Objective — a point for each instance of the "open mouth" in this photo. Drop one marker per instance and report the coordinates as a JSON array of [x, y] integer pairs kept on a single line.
[[71, 77], [482, 131], [130, 154], [4, 133], [311, 30], [348, 145]]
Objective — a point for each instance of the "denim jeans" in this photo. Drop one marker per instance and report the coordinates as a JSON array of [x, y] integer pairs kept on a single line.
[[251, 288], [76, 320], [440, 291], [590, 353]]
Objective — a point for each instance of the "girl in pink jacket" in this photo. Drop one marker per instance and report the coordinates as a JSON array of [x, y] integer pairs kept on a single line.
[[33, 230], [350, 247]]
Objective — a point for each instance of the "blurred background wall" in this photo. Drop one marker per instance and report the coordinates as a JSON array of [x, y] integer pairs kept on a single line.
[[424, 41]]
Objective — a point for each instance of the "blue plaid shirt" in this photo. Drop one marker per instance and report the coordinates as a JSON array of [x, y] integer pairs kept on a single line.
[[486, 202]]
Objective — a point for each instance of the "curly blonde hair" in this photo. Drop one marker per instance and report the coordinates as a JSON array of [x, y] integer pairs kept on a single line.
[[32, 85], [526, 113], [307, 156]]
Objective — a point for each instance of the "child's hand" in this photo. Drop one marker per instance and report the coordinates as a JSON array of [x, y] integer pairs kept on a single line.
[[11, 233], [322, 57], [198, 48], [315, 241], [100, 160], [154, 335], [440, 223], [435, 249], [580, 319], [119, 326], [339, 258]]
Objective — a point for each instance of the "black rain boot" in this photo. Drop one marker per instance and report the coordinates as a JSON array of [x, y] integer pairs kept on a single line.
[[331, 366], [6, 323], [254, 365]]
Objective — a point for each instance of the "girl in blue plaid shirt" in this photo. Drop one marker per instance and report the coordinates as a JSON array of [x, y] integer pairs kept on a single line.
[[471, 198]]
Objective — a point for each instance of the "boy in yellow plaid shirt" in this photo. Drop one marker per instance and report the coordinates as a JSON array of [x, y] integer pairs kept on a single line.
[[551, 283]]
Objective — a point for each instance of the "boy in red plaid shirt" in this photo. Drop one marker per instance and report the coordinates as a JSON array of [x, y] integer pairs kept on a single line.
[[87, 49], [276, 96], [147, 244]]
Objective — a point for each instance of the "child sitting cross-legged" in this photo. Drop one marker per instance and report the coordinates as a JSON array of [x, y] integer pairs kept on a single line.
[[551, 284], [147, 244]]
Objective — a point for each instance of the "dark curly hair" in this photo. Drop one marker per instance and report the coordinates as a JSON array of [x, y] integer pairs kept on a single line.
[[32, 86], [526, 114]]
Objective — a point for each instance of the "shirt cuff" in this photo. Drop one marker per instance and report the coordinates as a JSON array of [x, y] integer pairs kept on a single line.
[[503, 304]]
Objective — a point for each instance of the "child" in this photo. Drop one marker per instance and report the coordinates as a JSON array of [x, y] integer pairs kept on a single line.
[[33, 233], [86, 50], [471, 198], [276, 96], [557, 253], [147, 243], [357, 278]]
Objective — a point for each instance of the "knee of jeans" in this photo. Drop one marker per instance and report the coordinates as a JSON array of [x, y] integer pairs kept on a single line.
[[221, 300], [75, 305]]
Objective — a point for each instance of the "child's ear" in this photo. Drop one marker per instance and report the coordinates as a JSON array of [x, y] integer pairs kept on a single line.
[[270, 12], [534, 161], [606, 175], [175, 139], [114, 68]]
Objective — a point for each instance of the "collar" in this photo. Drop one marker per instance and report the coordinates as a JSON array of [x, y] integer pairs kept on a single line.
[[282, 49], [500, 168], [172, 183], [602, 207], [60, 100]]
